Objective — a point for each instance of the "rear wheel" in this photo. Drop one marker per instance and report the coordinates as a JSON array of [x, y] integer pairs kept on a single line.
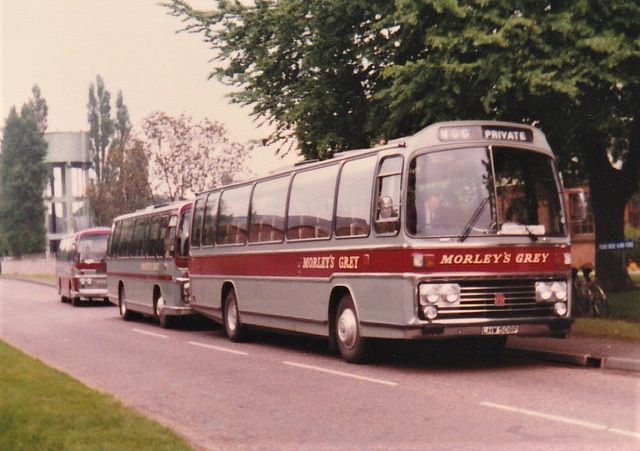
[[232, 324], [350, 342]]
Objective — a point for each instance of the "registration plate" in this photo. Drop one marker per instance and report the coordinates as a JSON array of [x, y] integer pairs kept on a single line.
[[499, 330]]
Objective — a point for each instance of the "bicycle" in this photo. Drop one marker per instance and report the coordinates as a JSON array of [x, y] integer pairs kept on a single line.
[[590, 299]]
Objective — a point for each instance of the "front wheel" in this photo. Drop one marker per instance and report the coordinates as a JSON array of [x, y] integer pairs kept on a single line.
[[232, 324], [350, 342], [126, 314], [164, 320]]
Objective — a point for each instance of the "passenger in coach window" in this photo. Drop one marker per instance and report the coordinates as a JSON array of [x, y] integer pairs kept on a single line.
[[433, 214]]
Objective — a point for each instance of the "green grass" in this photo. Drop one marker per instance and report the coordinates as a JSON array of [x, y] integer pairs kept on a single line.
[[42, 408], [623, 323], [40, 277]]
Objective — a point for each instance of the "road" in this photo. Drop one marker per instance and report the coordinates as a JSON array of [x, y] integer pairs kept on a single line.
[[283, 392]]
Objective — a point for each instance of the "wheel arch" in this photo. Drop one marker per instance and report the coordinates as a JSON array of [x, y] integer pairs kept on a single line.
[[337, 293], [227, 287]]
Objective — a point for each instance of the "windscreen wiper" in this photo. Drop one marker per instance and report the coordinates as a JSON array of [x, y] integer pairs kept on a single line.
[[474, 218]]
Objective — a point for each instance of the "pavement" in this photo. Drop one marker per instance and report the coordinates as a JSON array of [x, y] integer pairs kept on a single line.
[[588, 352]]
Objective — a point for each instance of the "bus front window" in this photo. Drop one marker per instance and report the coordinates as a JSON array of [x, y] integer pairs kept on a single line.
[[483, 191], [92, 249]]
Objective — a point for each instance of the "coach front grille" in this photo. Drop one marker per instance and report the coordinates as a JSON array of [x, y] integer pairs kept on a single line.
[[497, 299]]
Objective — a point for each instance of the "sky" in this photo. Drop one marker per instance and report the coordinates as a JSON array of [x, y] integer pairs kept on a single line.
[[62, 45]]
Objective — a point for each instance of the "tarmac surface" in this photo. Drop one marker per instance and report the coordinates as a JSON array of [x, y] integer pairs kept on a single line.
[[589, 352]]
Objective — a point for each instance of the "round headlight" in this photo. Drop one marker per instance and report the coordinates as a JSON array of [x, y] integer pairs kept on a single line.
[[560, 290], [544, 291], [429, 294], [430, 312], [450, 293], [560, 308]]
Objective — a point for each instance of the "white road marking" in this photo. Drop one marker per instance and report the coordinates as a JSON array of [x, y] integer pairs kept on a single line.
[[218, 348], [340, 373], [623, 432], [153, 334], [587, 424]]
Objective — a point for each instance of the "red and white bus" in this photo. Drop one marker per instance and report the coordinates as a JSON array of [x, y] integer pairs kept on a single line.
[[80, 266], [147, 262], [458, 230]]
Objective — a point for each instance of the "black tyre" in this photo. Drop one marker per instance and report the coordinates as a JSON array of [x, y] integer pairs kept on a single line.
[[231, 315], [351, 344]]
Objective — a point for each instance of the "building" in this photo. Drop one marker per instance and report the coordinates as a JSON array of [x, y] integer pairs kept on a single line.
[[581, 226], [66, 193]]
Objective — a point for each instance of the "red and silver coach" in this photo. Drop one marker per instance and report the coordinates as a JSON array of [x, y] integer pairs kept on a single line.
[[80, 266], [458, 230], [147, 262]]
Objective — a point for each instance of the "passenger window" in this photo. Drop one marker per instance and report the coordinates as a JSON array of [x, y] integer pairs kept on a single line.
[[140, 236], [311, 204], [268, 207], [126, 238], [353, 211], [152, 241], [210, 215], [161, 247], [182, 242], [232, 218], [196, 226], [115, 239], [388, 196]]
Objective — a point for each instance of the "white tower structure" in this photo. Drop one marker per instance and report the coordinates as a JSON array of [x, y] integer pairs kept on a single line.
[[66, 194]]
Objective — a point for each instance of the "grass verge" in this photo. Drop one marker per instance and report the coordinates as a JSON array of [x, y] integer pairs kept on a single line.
[[42, 408], [623, 323]]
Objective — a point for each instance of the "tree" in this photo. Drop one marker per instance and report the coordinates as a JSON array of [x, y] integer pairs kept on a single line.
[[188, 157], [23, 176], [305, 67], [125, 173], [126, 183], [40, 109], [568, 67], [101, 126]]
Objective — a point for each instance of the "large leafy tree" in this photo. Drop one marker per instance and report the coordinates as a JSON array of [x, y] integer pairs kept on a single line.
[[304, 67], [348, 73], [569, 67], [23, 176], [187, 156]]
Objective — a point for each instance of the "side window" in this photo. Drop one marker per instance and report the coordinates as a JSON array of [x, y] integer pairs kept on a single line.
[[232, 218], [152, 241], [353, 210], [140, 236], [126, 237], [268, 207], [161, 246], [210, 215], [182, 243], [196, 225], [388, 196], [112, 244], [170, 235], [311, 204]]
